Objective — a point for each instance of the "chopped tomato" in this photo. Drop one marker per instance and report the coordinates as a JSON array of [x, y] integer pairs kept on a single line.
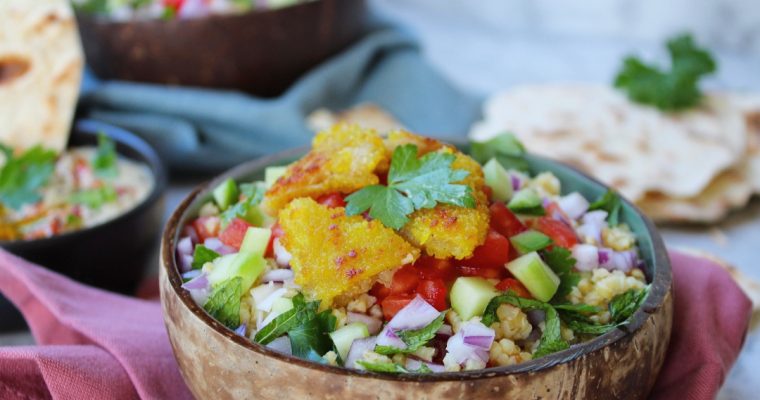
[[488, 191], [435, 268], [206, 227], [394, 303], [493, 253], [174, 4], [488, 273], [234, 233], [558, 231], [515, 286], [380, 291], [277, 232], [504, 221], [332, 200], [434, 292], [553, 210], [404, 280]]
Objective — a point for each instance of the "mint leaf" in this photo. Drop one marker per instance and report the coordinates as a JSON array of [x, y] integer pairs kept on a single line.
[[413, 184], [105, 161], [311, 334], [94, 198], [578, 308], [224, 302], [246, 208], [622, 306], [414, 339], [580, 323], [561, 261], [22, 177], [610, 202], [382, 367], [505, 148], [285, 321], [672, 90], [202, 255]]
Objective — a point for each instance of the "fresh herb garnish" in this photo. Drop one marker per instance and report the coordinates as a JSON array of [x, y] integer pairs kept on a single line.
[[286, 321], [94, 198], [414, 339], [73, 220], [387, 367], [672, 90], [224, 302], [621, 308], [561, 261], [22, 177], [611, 203], [413, 184], [505, 148], [105, 161], [624, 305], [247, 208], [202, 255]]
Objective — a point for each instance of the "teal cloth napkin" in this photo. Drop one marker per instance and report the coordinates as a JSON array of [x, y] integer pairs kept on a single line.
[[203, 130]]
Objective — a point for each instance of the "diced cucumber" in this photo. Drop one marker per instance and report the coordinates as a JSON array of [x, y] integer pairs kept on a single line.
[[535, 275], [256, 240], [246, 265], [281, 304], [470, 296], [526, 201], [499, 180], [529, 241], [254, 216], [272, 174], [226, 194], [346, 335]]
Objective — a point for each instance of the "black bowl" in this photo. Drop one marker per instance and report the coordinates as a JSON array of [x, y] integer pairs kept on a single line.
[[112, 255]]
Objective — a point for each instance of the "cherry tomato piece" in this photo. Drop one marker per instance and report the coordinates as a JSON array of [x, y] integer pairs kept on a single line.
[[558, 231], [434, 292], [504, 221], [277, 232], [404, 280], [332, 200], [206, 227], [394, 303], [493, 253], [488, 273], [234, 233], [380, 291], [435, 268]]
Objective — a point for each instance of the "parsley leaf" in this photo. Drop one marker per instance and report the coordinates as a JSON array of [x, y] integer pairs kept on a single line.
[[383, 367], [22, 177], [414, 339], [202, 255], [610, 202], [94, 198], [561, 261], [505, 148], [621, 308], [224, 302], [624, 305], [247, 208], [105, 161], [672, 90], [413, 184]]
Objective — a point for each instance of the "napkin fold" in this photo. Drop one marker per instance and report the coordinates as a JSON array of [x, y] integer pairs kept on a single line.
[[95, 344], [205, 130]]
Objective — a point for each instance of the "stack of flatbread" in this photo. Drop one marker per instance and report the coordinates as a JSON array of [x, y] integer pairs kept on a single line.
[[368, 115], [41, 66], [692, 166]]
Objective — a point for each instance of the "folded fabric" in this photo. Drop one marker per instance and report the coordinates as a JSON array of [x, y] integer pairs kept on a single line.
[[94, 344], [208, 130]]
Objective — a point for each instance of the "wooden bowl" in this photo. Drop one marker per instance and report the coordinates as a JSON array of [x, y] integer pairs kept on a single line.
[[218, 364], [261, 52]]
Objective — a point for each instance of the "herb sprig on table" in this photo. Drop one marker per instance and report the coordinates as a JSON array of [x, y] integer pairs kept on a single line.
[[22, 177], [669, 90], [413, 184]]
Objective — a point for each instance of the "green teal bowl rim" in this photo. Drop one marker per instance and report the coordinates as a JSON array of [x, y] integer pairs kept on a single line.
[[651, 249]]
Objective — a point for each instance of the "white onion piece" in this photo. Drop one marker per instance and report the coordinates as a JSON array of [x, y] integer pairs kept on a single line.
[[414, 365], [415, 315], [185, 246], [574, 205], [281, 256], [445, 330], [216, 245], [278, 275], [191, 233], [373, 324], [261, 292], [587, 257], [472, 342], [596, 217], [281, 344], [266, 304], [357, 350]]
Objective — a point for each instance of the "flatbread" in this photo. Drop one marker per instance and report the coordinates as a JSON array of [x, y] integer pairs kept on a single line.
[[41, 66], [367, 115], [634, 148]]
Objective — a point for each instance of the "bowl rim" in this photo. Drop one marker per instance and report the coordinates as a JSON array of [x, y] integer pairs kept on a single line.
[[661, 283], [88, 127]]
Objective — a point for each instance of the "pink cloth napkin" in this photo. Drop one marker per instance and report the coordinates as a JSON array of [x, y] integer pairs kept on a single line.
[[97, 345]]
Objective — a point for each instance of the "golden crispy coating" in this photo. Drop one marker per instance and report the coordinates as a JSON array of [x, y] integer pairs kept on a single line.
[[343, 159], [424, 144], [339, 256], [450, 231]]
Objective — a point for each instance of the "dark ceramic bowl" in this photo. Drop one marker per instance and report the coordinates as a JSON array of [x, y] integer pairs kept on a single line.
[[218, 364], [112, 255], [261, 52]]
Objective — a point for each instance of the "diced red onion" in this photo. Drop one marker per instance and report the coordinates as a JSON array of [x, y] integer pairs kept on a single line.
[[587, 257], [596, 217], [516, 182], [373, 324], [190, 231], [536, 317], [357, 350], [574, 205], [445, 329], [415, 315], [199, 289], [545, 201], [185, 262], [593, 223], [472, 342], [277, 275], [281, 344], [216, 245], [618, 260], [387, 337], [185, 246], [266, 304], [412, 364], [281, 256], [479, 341], [193, 9], [241, 329], [191, 274]]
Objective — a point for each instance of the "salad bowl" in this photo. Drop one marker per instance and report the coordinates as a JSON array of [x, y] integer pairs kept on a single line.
[[218, 363]]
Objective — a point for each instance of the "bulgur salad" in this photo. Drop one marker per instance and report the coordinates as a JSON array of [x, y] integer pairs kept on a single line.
[[401, 254], [123, 10], [43, 194]]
